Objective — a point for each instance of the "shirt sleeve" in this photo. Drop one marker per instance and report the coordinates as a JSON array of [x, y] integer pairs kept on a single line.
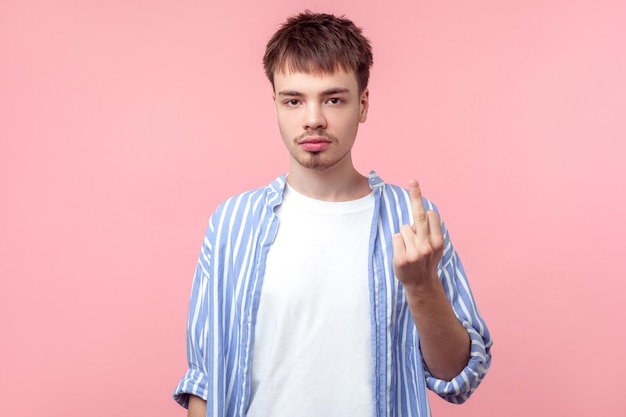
[[197, 379], [457, 289]]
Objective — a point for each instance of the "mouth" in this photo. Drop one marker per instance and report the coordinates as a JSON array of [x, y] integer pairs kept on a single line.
[[314, 144]]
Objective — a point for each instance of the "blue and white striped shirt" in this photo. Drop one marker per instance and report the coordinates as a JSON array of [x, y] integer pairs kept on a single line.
[[225, 299]]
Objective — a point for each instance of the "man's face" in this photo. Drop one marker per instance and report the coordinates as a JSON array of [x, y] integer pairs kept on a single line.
[[319, 115]]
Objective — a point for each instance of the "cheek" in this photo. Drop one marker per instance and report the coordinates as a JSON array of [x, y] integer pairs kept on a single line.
[[284, 127], [280, 118], [351, 122]]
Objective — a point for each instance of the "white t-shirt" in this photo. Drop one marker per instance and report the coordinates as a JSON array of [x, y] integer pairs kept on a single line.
[[312, 352]]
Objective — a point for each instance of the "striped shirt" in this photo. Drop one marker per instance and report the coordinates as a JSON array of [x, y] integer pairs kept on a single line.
[[226, 293]]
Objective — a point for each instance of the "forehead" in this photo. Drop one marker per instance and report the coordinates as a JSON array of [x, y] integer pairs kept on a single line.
[[313, 81]]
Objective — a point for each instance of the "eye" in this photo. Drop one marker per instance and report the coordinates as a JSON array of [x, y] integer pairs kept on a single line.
[[335, 100], [292, 103]]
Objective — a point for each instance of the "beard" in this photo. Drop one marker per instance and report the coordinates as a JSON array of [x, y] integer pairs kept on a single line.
[[317, 160], [313, 161]]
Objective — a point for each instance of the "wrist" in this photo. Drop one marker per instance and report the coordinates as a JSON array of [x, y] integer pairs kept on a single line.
[[424, 288]]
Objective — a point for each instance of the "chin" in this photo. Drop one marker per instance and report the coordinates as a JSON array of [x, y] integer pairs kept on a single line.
[[317, 164]]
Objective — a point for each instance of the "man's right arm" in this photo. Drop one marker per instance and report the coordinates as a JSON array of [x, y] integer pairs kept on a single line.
[[197, 407]]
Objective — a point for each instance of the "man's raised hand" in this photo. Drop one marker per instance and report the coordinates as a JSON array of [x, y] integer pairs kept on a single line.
[[418, 248]]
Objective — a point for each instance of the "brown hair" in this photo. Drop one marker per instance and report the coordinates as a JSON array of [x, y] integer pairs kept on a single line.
[[319, 43]]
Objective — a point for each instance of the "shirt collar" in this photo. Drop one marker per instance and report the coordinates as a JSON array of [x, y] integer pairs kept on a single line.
[[277, 187]]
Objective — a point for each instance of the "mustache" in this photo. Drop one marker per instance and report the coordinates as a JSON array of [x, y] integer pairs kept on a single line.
[[317, 132]]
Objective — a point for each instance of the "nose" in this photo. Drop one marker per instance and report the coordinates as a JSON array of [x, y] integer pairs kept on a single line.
[[314, 117]]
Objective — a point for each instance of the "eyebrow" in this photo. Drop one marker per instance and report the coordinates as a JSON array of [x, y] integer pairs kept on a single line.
[[329, 92]]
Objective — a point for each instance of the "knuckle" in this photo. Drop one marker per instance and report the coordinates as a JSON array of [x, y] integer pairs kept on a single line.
[[437, 242]]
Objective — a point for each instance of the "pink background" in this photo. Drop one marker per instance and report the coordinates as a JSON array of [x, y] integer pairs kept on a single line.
[[124, 123]]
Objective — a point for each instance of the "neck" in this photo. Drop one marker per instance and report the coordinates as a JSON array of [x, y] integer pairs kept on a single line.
[[330, 184]]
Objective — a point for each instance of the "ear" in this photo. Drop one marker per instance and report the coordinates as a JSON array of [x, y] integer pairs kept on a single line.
[[274, 100], [364, 105]]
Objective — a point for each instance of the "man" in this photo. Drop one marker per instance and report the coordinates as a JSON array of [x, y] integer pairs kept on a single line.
[[327, 292]]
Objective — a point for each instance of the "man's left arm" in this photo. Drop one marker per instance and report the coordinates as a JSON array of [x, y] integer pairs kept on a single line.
[[418, 249]]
